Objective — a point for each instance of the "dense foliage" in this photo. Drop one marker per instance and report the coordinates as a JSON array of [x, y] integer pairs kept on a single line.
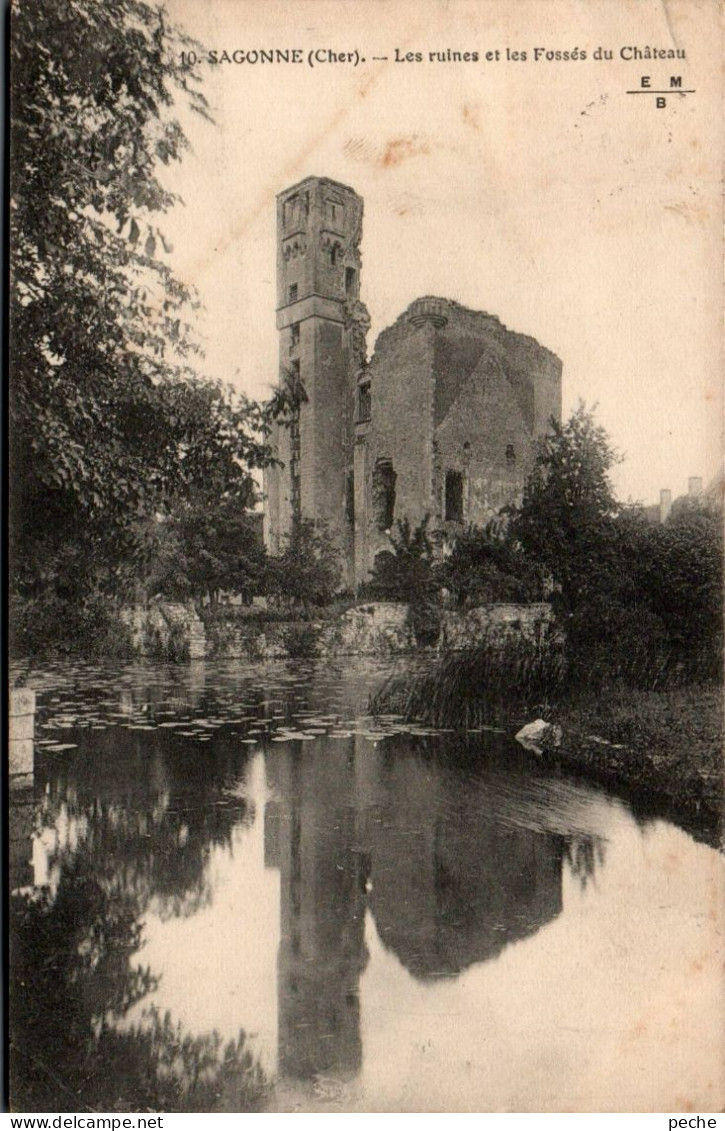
[[674, 588], [485, 568], [203, 548], [110, 426], [565, 521], [405, 573], [637, 600], [307, 572]]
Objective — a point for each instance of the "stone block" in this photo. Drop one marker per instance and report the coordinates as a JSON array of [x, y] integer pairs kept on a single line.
[[20, 755], [21, 731], [22, 707]]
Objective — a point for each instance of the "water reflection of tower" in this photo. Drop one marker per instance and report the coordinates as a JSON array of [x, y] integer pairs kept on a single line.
[[312, 834], [445, 860]]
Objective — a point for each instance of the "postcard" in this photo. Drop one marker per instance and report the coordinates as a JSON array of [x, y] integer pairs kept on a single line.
[[366, 498]]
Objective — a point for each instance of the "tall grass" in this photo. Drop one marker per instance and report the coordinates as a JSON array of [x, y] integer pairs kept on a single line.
[[500, 680], [506, 679]]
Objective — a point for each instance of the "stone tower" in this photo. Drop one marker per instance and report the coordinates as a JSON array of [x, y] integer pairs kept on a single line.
[[322, 327]]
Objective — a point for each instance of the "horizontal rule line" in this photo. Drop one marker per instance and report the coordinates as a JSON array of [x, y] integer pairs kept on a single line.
[[672, 90]]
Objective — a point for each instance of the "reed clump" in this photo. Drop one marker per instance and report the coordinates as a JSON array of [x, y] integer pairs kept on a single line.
[[499, 680]]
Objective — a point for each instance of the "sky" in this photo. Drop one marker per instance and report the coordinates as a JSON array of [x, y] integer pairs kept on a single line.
[[536, 190]]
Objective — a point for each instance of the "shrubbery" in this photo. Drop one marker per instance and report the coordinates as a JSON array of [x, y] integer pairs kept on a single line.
[[637, 601], [485, 568], [307, 572], [48, 623], [499, 680]]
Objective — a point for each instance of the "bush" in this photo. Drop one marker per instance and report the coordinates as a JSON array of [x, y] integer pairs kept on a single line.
[[49, 625], [483, 569], [301, 640], [424, 618], [405, 573], [679, 574], [308, 571], [174, 648]]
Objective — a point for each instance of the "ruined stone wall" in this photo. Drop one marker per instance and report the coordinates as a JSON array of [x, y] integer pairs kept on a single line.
[[458, 402], [376, 628], [326, 452], [401, 430], [278, 492], [484, 437], [166, 629], [464, 629]]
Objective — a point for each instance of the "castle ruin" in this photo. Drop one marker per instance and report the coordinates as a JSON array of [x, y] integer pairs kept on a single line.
[[442, 421]]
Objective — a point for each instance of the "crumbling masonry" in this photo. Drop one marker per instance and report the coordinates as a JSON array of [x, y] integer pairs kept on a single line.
[[442, 420]]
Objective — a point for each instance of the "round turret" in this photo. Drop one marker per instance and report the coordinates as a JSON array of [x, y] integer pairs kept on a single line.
[[431, 310]]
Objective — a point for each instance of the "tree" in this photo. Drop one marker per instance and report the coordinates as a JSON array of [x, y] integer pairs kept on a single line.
[[405, 573], [677, 569], [222, 549], [637, 601], [307, 572], [109, 423], [483, 568], [96, 315], [565, 519]]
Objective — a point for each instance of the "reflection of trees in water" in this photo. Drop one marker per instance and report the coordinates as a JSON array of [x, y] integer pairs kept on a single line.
[[584, 856], [149, 813], [158, 858], [72, 981]]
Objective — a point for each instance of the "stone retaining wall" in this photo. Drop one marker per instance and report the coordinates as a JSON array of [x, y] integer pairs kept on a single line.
[[377, 628], [371, 629], [461, 629], [167, 630]]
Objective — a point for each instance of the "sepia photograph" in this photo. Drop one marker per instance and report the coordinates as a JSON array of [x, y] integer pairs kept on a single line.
[[365, 526]]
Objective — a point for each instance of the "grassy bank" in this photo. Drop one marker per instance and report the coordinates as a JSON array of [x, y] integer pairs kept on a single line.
[[662, 748]]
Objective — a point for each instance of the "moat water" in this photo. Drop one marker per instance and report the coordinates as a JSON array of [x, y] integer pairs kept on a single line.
[[233, 889]]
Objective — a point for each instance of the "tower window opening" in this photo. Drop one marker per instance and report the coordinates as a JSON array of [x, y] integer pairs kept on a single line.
[[350, 274], [292, 292], [384, 493], [294, 337], [510, 454], [333, 255], [364, 403], [295, 478], [296, 209], [334, 211], [350, 498], [454, 497]]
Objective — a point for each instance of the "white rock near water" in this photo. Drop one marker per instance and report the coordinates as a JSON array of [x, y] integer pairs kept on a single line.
[[534, 735]]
